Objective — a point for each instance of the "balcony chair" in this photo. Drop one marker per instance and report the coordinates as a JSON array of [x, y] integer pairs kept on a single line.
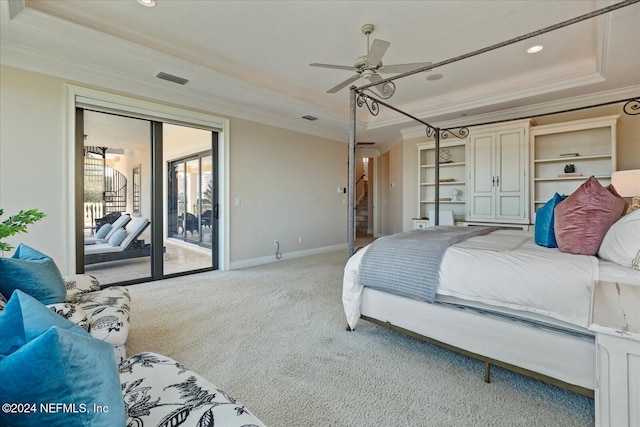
[[123, 244], [110, 229]]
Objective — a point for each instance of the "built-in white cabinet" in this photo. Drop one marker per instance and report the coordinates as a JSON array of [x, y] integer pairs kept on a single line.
[[589, 145], [497, 163], [453, 188]]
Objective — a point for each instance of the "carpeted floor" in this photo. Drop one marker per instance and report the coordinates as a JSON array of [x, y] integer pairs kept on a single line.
[[274, 337]]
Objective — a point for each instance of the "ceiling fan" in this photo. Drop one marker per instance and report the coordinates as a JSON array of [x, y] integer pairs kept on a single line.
[[370, 65]]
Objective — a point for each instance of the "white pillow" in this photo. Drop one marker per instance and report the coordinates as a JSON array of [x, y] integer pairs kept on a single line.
[[621, 244]]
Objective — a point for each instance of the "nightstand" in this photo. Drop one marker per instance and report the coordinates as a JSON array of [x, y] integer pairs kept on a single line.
[[615, 318], [420, 224]]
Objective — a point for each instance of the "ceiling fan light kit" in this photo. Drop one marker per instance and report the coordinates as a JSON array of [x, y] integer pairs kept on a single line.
[[370, 66]]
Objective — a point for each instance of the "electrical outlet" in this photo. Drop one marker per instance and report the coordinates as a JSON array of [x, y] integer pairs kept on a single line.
[[275, 243]]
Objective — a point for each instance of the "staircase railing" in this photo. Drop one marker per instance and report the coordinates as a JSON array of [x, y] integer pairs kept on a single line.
[[115, 190], [107, 182]]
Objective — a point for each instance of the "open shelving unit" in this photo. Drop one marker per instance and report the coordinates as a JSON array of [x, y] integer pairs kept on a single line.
[[593, 141], [455, 171]]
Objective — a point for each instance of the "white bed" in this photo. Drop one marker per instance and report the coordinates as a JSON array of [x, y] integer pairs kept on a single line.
[[505, 300]]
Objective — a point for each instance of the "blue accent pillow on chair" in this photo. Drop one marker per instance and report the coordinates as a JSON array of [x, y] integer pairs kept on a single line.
[[33, 273], [544, 229], [25, 318], [117, 237], [69, 379], [103, 231]]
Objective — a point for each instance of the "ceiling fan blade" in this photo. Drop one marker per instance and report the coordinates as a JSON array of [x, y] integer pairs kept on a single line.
[[375, 79], [403, 68], [337, 67], [344, 83], [377, 51]]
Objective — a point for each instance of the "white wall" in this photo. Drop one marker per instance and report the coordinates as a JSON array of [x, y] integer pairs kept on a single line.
[[286, 181]]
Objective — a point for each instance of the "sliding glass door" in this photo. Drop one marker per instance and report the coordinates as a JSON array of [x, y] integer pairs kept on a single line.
[[190, 200], [149, 198]]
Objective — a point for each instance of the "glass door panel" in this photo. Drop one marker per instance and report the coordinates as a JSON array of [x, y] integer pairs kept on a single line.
[[191, 217], [116, 197], [208, 198], [190, 201]]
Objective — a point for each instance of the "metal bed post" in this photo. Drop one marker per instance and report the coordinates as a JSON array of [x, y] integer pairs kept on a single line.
[[436, 213], [352, 171]]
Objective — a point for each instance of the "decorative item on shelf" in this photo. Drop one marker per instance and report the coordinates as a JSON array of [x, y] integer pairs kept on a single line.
[[447, 180], [445, 199], [569, 175], [569, 154], [627, 184], [445, 156], [455, 193], [570, 168]]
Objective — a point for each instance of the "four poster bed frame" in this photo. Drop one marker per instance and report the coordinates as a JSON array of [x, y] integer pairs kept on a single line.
[[561, 359]]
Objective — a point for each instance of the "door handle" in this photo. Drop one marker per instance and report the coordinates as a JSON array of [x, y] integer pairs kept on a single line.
[[493, 181], [497, 181]]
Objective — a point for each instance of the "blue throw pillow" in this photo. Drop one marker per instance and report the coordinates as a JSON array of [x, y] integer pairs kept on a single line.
[[33, 273], [25, 318], [544, 230], [103, 231], [117, 237], [62, 379]]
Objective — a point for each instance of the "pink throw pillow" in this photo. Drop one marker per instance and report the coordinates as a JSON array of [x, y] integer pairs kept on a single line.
[[583, 218]]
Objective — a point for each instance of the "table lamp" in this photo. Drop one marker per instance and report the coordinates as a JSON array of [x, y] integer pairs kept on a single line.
[[627, 184]]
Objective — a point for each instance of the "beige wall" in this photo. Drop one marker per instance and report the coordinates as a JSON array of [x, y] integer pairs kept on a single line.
[[286, 181], [33, 157], [628, 157], [286, 184]]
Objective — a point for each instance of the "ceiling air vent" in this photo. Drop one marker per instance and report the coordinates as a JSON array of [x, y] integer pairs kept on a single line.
[[172, 78], [310, 118]]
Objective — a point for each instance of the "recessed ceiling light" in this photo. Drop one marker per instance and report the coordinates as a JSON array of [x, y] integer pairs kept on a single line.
[[148, 3], [535, 49], [434, 77]]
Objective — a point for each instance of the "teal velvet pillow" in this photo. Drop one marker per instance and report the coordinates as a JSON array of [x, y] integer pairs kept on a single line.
[[103, 231], [545, 234], [33, 273], [117, 237], [67, 379], [25, 318]]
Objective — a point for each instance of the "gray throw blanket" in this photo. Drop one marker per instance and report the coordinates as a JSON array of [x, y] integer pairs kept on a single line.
[[408, 263]]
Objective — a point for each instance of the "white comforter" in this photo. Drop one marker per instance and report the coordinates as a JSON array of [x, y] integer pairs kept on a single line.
[[503, 269]]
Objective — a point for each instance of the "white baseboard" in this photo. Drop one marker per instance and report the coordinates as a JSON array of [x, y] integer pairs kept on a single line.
[[287, 255]]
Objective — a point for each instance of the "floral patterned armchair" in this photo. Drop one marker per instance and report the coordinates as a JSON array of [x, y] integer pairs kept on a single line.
[[104, 313]]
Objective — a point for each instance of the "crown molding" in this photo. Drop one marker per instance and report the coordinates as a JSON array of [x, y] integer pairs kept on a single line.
[[567, 76], [583, 101], [15, 7], [77, 72]]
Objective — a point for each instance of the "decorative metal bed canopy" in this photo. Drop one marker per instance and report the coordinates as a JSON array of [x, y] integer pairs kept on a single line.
[[364, 96]]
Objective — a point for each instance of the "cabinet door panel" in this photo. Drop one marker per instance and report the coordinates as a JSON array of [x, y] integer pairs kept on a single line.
[[511, 188], [510, 161], [510, 207], [482, 207], [482, 163], [481, 174]]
